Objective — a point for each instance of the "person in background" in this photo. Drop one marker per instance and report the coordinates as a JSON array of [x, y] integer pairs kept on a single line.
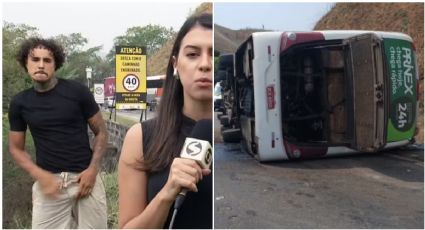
[[68, 191], [150, 173]]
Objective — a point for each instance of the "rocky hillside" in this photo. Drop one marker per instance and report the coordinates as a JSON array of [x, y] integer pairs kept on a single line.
[[157, 63], [400, 17]]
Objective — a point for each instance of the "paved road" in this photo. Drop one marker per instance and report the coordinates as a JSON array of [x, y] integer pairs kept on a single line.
[[383, 190]]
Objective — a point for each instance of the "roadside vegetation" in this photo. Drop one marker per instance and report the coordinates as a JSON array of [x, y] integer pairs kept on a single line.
[[17, 185], [119, 119]]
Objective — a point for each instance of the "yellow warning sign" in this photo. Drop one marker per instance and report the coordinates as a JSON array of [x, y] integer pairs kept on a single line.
[[130, 77]]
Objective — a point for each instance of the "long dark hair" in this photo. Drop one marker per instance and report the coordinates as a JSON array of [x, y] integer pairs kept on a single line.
[[164, 139]]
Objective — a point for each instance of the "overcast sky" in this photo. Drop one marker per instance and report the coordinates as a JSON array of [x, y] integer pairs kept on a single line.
[[273, 16], [99, 22]]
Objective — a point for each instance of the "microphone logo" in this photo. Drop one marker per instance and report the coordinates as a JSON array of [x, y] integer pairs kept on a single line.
[[193, 148], [198, 150], [207, 159]]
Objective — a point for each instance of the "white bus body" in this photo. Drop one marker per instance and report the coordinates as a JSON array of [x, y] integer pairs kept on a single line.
[[258, 87]]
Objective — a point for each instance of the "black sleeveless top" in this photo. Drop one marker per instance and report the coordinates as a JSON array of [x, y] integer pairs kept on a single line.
[[196, 211]]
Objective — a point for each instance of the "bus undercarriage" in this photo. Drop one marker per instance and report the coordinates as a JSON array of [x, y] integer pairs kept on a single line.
[[314, 95]]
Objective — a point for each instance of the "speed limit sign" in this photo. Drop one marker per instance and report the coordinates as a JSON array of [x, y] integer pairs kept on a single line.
[[130, 67], [131, 82]]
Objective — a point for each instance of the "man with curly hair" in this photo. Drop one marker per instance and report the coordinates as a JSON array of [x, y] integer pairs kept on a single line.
[[68, 191]]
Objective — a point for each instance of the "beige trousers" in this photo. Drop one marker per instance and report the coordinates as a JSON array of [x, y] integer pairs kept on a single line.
[[66, 211]]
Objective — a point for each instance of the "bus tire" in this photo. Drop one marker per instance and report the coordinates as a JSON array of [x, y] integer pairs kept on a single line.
[[231, 135], [219, 115], [224, 120], [222, 128]]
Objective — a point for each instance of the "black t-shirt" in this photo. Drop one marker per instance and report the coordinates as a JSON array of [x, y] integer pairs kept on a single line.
[[196, 210], [57, 120]]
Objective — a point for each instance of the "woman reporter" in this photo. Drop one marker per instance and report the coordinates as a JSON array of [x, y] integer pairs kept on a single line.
[[150, 173]]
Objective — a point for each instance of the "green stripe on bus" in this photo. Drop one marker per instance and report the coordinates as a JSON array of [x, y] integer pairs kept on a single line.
[[401, 70]]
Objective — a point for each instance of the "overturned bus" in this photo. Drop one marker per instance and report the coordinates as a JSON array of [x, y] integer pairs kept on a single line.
[[311, 94]]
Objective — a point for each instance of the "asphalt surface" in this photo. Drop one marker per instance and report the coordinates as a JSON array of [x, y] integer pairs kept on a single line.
[[381, 190]]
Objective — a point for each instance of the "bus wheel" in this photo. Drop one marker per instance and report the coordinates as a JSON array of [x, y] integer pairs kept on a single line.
[[225, 121], [222, 128], [231, 135], [219, 115]]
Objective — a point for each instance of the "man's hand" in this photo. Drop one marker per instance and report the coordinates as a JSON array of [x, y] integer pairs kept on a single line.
[[50, 185], [87, 179]]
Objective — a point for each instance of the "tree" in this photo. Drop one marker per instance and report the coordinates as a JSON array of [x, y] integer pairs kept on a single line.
[[150, 36], [14, 77], [78, 59], [75, 66], [72, 43]]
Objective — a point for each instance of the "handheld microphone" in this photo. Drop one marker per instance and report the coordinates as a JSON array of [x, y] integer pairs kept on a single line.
[[197, 146]]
